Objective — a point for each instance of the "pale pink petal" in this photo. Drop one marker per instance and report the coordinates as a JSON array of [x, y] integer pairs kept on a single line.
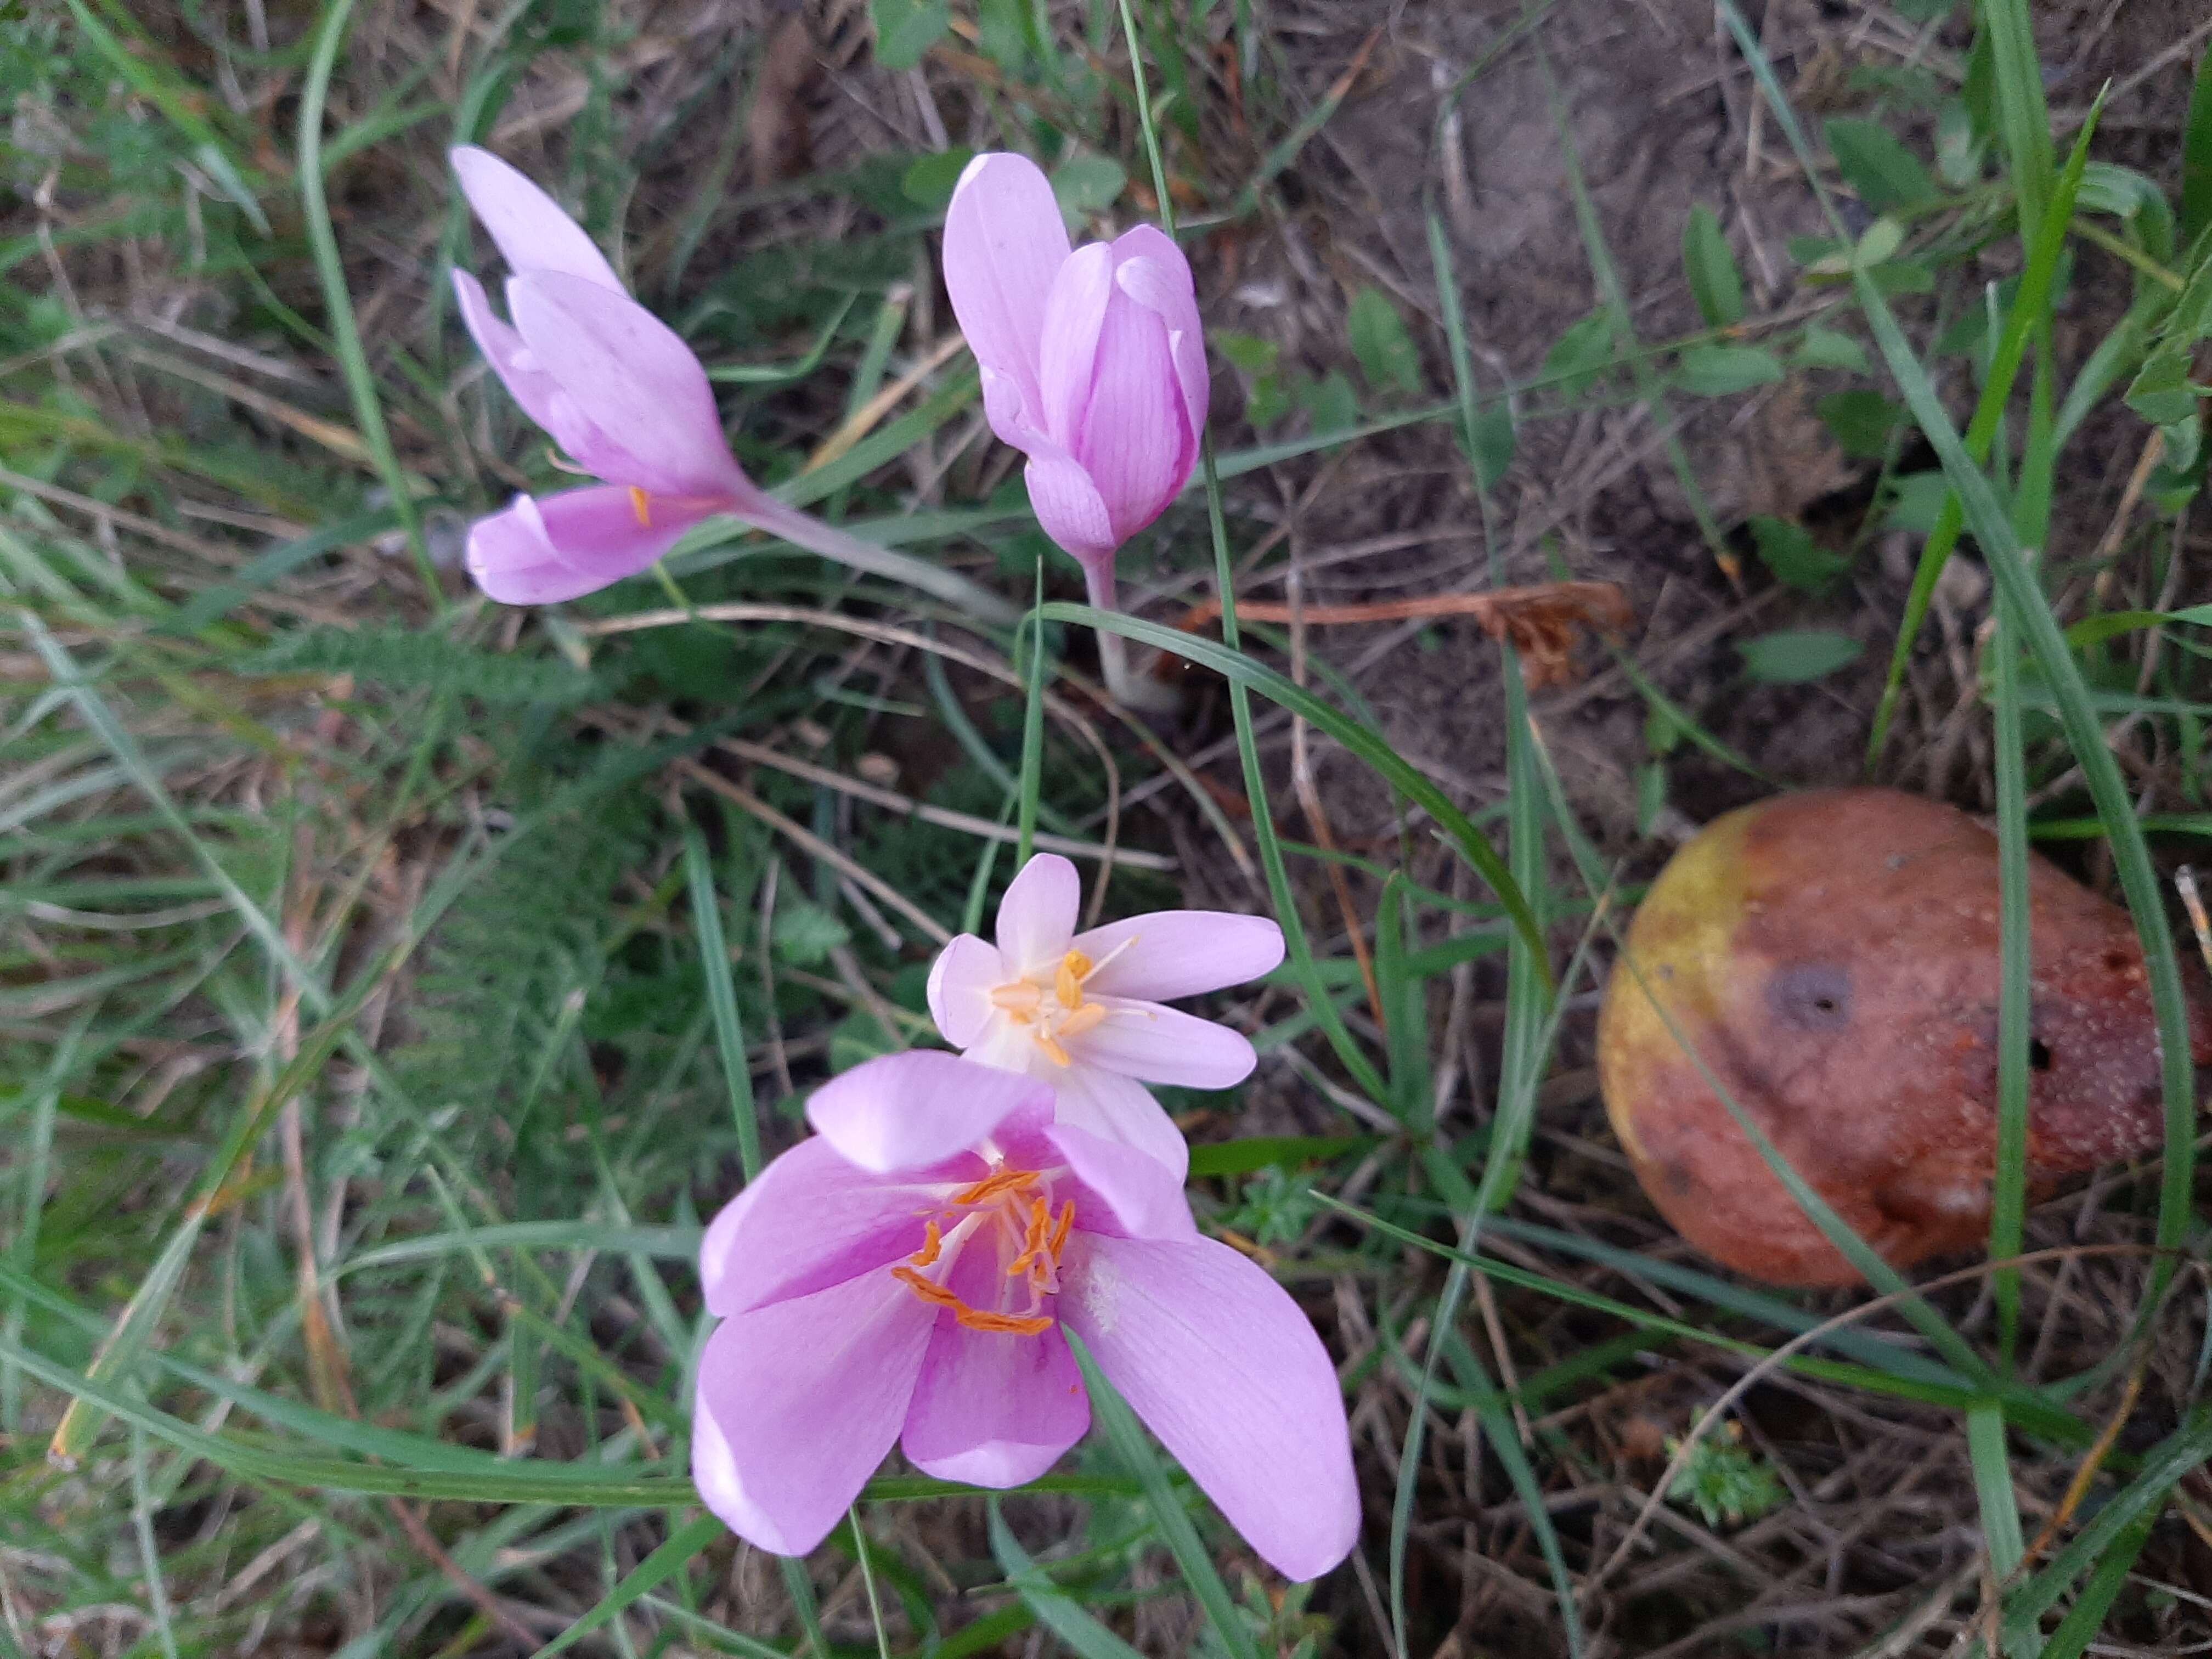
[[911, 1110], [811, 1220], [961, 981], [1069, 507], [1145, 1041], [1036, 918], [541, 552], [1135, 1193], [991, 1408], [512, 360], [1008, 1046], [1122, 1111], [635, 380], [1134, 442], [1218, 1360], [1180, 953], [1073, 316], [527, 224], [1004, 243], [799, 1401], [1153, 272]]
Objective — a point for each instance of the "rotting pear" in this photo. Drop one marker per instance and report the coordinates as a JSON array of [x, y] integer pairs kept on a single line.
[[1832, 957]]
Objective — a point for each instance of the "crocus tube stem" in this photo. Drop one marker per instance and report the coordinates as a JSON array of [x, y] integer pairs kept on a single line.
[[805, 530], [1136, 692]]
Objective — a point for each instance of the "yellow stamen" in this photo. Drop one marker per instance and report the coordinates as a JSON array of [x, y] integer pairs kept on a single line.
[[992, 1186], [1050, 1044], [1020, 999], [1083, 1020], [1060, 1231], [933, 1244], [1068, 983], [1032, 1242], [641, 504], [927, 1288]]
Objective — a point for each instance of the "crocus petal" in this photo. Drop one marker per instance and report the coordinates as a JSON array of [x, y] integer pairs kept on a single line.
[[1122, 1111], [1153, 272], [1069, 507], [633, 380], [991, 1408], [527, 224], [912, 1110], [961, 981], [1217, 1359], [541, 552], [1164, 1045], [1004, 243], [1073, 315], [1036, 918], [1134, 443], [1180, 953], [799, 1401], [810, 1220], [512, 360], [1135, 1193]]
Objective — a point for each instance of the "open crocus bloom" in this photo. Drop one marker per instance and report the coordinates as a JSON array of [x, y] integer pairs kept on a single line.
[[617, 387], [1092, 361], [907, 1275], [1082, 1011]]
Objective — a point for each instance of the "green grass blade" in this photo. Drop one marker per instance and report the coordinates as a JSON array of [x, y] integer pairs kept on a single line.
[[657, 1568], [722, 997], [1056, 1610]]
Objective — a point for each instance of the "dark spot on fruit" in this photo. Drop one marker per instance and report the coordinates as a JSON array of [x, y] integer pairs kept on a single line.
[[1814, 998], [2039, 1053]]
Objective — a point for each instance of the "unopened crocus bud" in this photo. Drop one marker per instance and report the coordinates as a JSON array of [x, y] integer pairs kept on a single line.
[[1092, 360]]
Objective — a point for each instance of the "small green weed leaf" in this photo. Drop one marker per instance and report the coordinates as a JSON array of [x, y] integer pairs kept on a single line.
[[1003, 34], [1792, 656], [1332, 404], [1492, 444], [905, 29], [1582, 355], [1715, 283], [1958, 148], [806, 934], [411, 659], [1386, 351], [929, 182], [2162, 393], [1721, 371], [1248, 353], [1790, 553], [1916, 501], [1727, 1480], [1824, 348], [1878, 167], [2131, 196], [1088, 184], [1862, 420]]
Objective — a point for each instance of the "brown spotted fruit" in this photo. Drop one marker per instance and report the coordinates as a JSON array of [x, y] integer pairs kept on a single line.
[[1832, 957]]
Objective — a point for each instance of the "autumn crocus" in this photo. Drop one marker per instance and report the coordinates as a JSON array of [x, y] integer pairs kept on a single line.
[[631, 406], [1082, 1012], [1092, 361], [909, 1274]]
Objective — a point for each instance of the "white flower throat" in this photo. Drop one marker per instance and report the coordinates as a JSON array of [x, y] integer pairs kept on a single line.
[[1051, 1003]]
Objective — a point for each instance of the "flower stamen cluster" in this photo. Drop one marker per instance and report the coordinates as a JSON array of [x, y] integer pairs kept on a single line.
[[1009, 1208]]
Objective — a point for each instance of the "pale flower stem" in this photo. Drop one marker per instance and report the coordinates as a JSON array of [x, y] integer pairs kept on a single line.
[[1132, 690], [805, 530]]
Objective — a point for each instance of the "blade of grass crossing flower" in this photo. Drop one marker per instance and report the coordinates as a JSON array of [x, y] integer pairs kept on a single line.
[[2008, 1193], [2030, 313], [682, 1549], [2019, 590], [1127, 1435], [1056, 1610], [338, 300], [722, 996]]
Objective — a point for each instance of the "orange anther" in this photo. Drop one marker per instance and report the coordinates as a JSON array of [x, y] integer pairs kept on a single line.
[[928, 1289], [641, 504], [1090, 1015], [1019, 999], [931, 1243], [1007, 1324], [993, 1185], [1067, 984], [1053, 1052], [1060, 1232], [1033, 1242]]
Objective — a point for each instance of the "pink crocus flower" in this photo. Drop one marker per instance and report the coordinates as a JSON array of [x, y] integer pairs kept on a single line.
[[908, 1274], [631, 404], [1082, 1012], [1092, 361]]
